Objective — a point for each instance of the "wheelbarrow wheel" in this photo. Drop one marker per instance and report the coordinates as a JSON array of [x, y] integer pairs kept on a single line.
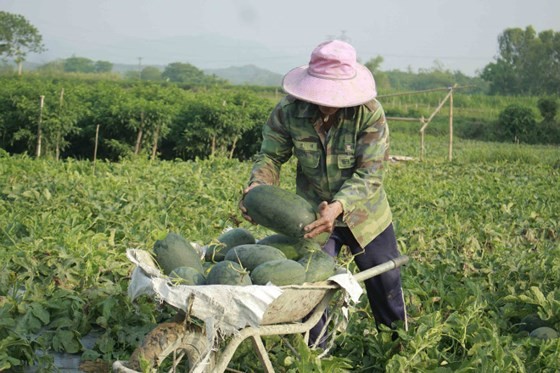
[[172, 339]]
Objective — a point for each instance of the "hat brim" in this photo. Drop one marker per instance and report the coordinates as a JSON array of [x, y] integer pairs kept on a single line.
[[331, 92]]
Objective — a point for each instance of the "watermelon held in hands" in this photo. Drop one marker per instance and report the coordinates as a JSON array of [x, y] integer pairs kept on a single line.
[[279, 210]]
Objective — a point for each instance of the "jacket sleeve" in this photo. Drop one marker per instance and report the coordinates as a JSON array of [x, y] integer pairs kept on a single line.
[[362, 195], [276, 149]]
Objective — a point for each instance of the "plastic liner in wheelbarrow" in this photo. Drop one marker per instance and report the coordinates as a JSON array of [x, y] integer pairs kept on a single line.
[[227, 308]]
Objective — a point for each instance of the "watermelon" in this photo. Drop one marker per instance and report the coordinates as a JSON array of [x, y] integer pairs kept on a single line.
[[531, 322], [187, 276], [228, 273], [250, 256], [318, 265], [544, 332], [174, 251], [279, 272], [216, 252], [279, 210], [293, 248]]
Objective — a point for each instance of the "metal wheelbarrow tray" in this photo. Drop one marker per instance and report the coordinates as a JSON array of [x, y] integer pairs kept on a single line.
[[283, 315]]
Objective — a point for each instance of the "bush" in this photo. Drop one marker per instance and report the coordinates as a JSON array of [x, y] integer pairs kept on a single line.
[[517, 123], [548, 108]]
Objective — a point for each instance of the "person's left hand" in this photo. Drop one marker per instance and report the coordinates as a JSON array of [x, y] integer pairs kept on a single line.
[[327, 216], [242, 207]]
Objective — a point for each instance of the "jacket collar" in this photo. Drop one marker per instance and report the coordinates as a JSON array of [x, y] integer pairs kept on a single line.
[[311, 111]]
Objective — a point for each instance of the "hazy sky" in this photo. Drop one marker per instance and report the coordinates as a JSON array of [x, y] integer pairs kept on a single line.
[[461, 35]]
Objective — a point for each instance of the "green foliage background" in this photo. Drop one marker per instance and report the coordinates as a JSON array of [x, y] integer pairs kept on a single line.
[[171, 121]]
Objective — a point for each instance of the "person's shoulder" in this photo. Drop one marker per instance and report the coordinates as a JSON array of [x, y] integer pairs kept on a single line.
[[373, 105], [287, 101]]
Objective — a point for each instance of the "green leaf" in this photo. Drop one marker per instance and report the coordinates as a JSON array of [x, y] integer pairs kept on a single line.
[[40, 312], [65, 340]]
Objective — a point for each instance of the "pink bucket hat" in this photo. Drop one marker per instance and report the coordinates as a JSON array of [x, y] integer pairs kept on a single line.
[[333, 77]]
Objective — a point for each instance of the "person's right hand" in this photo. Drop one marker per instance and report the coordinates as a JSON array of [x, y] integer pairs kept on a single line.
[[242, 207]]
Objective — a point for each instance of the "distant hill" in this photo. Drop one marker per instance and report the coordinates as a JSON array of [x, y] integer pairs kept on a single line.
[[236, 75], [248, 74], [205, 51]]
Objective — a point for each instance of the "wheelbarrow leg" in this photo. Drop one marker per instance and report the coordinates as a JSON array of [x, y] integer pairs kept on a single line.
[[224, 358], [263, 355]]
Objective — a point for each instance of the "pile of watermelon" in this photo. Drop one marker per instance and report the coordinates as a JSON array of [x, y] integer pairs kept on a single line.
[[237, 258]]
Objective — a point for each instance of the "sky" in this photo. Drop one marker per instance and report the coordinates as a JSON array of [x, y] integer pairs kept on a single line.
[[279, 35]]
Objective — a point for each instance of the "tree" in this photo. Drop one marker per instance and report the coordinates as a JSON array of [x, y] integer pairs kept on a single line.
[[18, 37], [188, 74], [381, 80], [103, 67], [183, 73], [52, 67], [79, 65], [64, 115], [527, 63], [150, 73]]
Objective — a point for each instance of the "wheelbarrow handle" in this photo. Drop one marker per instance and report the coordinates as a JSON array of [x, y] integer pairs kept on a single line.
[[381, 268]]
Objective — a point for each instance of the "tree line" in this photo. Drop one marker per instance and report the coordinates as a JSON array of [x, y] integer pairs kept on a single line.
[[92, 119], [528, 63]]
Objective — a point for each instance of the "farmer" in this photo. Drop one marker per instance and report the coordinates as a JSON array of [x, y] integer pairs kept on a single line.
[[331, 121]]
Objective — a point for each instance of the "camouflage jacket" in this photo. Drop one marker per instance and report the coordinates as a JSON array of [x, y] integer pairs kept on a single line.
[[344, 165]]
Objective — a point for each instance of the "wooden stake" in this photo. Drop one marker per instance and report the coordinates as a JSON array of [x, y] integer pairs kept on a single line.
[[154, 145], [96, 142], [422, 149], [57, 145], [138, 145], [233, 147], [451, 125], [39, 130]]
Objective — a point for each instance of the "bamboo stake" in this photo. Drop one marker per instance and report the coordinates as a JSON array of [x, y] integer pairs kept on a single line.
[[96, 142], [422, 149], [139, 135], [438, 108], [57, 145], [39, 129], [455, 86], [451, 125], [402, 119], [233, 147], [154, 145]]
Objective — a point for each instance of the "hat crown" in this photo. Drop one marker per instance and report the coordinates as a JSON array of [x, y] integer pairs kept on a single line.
[[333, 59]]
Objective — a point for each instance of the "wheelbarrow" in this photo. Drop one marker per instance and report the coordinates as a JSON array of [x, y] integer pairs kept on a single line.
[[296, 310]]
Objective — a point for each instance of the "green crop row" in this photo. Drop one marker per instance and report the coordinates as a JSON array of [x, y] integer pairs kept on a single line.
[[482, 232]]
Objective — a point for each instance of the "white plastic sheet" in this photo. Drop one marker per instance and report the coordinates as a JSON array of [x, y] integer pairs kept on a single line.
[[227, 308]]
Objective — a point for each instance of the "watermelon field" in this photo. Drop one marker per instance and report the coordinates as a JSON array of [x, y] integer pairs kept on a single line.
[[482, 233]]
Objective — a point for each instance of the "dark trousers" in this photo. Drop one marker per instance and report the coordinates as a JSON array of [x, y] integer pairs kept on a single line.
[[384, 291]]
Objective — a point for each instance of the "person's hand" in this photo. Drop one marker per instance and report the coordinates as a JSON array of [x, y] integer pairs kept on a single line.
[[325, 223], [242, 208]]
